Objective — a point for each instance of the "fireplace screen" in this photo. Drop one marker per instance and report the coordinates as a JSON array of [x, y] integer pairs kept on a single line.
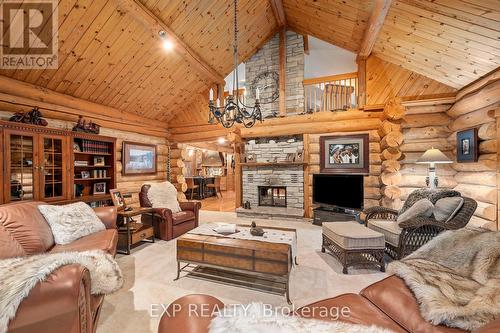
[[274, 196]]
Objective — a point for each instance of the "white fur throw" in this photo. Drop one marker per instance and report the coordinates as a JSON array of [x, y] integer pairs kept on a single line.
[[18, 276], [164, 195], [455, 278], [70, 222], [255, 318]]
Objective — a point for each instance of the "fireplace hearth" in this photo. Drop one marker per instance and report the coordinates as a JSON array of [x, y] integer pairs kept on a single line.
[[272, 196]]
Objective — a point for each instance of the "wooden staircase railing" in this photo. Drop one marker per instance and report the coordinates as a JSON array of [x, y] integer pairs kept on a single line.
[[331, 93]]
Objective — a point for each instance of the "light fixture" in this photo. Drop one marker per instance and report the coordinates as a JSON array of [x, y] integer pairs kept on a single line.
[[166, 42], [233, 109], [190, 152], [221, 140], [432, 157]]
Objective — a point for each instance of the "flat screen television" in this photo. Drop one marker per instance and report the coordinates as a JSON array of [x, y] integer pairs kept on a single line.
[[343, 191]]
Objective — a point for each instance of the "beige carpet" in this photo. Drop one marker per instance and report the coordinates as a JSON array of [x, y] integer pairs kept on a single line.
[[150, 269]]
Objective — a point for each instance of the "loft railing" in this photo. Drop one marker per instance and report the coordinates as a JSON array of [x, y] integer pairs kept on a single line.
[[331, 93]]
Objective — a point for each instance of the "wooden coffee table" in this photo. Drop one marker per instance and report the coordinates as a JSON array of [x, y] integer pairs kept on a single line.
[[254, 264]]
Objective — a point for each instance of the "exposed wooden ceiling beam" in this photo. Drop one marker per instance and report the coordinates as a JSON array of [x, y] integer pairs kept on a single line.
[[156, 25], [375, 24], [306, 44], [279, 12]]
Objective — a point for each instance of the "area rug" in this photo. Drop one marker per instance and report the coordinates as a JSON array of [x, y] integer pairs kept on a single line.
[[456, 278], [150, 270]]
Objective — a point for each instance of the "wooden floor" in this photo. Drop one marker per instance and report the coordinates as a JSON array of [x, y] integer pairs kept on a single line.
[[224, 204]]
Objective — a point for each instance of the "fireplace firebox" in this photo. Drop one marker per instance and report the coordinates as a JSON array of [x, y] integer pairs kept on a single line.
[[272, 196]]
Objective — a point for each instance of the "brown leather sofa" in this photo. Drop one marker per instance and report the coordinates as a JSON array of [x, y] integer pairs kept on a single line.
[[168, 225], [387, 303], [62, 303]]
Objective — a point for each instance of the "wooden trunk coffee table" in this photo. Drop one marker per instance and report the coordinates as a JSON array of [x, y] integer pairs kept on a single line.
[[254, 264]]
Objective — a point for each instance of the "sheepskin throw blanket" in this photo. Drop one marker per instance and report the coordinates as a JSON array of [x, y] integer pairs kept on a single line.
[[259, 318], [19, 275], [455, 278]]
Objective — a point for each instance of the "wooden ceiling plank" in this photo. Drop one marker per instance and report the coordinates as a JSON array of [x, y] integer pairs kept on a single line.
[[77, 23], [84, 51], [375, 24], [452, 61], [107, 54], [279, 12], [446, 33], [420, 8], [156, 25]]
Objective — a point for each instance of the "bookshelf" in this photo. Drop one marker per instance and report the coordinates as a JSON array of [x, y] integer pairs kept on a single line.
[[93, 168]]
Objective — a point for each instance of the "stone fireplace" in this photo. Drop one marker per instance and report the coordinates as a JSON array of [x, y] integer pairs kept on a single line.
[[272, 196], [273, 186]]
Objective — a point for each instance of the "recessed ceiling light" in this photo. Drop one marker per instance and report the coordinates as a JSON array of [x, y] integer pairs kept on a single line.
[[168, 45]]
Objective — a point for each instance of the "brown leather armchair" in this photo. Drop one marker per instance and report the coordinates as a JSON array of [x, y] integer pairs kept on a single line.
[[388, 304], [168, 225], [62, 303]]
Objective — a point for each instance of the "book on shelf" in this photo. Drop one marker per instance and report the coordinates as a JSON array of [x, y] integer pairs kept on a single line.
[[81, 163], [98, 147]]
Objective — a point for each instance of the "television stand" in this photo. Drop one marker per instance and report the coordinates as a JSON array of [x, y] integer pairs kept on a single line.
[[334, 214]]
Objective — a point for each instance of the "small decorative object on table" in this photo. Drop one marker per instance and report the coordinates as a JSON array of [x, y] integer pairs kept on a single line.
[[83, 126], [33, 117], [117, 199], [467, 147], [256, 231], [226, 229]]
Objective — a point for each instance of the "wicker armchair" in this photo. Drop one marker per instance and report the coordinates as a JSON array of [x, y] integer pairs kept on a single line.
[[418, 231]]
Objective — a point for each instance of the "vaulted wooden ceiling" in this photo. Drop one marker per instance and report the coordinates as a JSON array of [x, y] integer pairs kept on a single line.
[[110, 52], [452, 41]]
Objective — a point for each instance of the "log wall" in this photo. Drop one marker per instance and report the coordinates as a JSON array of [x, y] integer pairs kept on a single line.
[[129, 184], [371, 182], [475, 108]]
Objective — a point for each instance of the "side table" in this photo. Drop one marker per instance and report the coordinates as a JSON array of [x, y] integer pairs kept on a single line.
[[134, 232]]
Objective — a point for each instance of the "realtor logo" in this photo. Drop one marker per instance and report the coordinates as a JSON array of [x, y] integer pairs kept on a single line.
[[29, 34]]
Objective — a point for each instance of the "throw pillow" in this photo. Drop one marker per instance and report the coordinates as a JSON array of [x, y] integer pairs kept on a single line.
[[425, 193], [164, 195], [422, 207], [446, 208], [70, 222]]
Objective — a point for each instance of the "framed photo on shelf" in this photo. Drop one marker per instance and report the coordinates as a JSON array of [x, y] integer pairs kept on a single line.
[[251, 158], [85, 174], [467, 146], [99, 161], [76, 147], [138, 158], [117, 199], [344, 154], [99, 188]]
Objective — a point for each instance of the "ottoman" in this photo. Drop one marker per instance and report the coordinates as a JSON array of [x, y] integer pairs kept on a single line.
[[354, 244]]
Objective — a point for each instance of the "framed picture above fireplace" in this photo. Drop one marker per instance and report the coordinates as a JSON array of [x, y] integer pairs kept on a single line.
[[344, 154]]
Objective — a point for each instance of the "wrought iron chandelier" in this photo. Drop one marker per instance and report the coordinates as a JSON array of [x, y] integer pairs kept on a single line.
[[234, 110]]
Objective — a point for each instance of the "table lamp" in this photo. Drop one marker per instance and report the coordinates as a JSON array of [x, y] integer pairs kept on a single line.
[[432, 157]]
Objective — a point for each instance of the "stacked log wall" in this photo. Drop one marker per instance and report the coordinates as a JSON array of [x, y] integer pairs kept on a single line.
[[177, 170], [475, 108], [390, 144], [424, 126]]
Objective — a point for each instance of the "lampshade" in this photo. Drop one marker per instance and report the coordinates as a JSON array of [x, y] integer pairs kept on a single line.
[[434, 156]]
